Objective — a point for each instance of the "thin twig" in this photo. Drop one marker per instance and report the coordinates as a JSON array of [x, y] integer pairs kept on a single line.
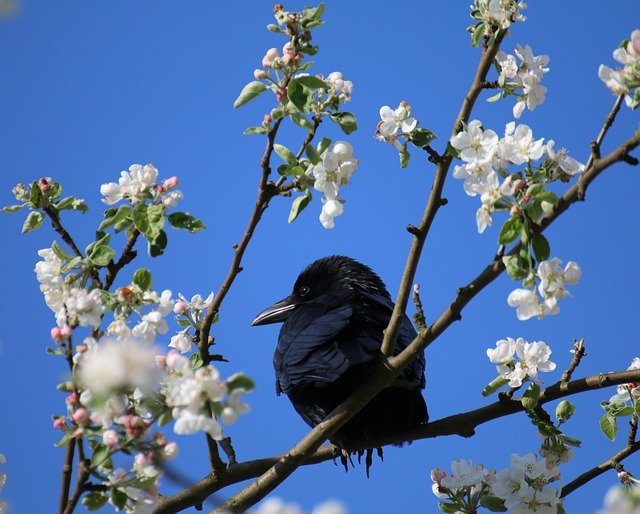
[[611, 463], [67, 470], [227, 448], [463, 424], [83, 476], [57, 226], [418, 317], [128, 254], [579, 351]]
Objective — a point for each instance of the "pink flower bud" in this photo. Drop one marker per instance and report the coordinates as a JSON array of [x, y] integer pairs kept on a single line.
[[56, 334], [59, 424], [66, 331], [519, 184], [180, 307], [288, 58], [437, 475], [80, 416], [161, 361], [271, 55], [72, 398], [110, 438], [515, 210], [82, 348], [527, 197], [267, 119], [170, 183], [134, 425], [259, 74]]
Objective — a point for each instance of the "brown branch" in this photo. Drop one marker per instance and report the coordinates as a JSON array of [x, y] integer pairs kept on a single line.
[[128, 254], [67, 470], [463, 424], [579, 351], [598, 470], [435, 198], [83, 475], [596, 144], [57, 226]]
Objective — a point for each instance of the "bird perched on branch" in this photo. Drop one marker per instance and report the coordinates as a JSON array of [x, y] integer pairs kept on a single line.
[[330, 341]]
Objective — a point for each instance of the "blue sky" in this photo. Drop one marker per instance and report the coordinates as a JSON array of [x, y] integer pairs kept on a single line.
[[89, 88]]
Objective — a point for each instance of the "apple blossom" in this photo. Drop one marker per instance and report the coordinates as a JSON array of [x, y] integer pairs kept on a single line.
[[269, 59], [181, 342], [133, 185], [567, 164], [197, 303], [81, 307], [627, 392], [625, 80]]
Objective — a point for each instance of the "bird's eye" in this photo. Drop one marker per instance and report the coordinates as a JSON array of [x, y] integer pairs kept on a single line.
[[304, 291]]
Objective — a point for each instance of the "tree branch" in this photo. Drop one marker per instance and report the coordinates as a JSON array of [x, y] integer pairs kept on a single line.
[[67, 469], [463, 424], [128, 254], [598, 470]]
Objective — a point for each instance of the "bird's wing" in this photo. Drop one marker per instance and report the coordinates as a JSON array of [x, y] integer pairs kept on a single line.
[[307, 353], [381, 315]]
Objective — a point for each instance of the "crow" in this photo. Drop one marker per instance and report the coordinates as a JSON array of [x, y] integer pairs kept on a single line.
[[330, 340]]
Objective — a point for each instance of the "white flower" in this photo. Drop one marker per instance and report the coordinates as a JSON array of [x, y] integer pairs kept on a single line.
[[626, 391], [110, 438], [504, 351], [508, 485], [535, 64], [521, 147], [537, 501], [475, 175], [621, 500], [613, 79], [531, 466], [189, 422], [567, 164], [234, 407], [119, 365], [338, 84], [330, 209], [118, 329], [534, 357], [474, 143], [81, 307], [508, 64], [464, 474], [181, 342], [197, 303], [171, 198], [394, 120], [483, 218], [526, 303], [132, 185], [552, 278], [151, 324]]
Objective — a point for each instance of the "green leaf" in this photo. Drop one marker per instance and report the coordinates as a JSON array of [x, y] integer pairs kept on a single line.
[[404, 156], [249, 92], [299, 95], [285, 154], [477, 34], [65, 439], [165, 417], [182, 220], [113, 216], [516, 266], [149, 220], [540, 247], [494, 385], [530, 397], [345, 120], [298, 206], [312, 82], [101, 255], [72, 203], [312, 153], [95, 500], [142, 278], [609, 426], [564, 410], [449, 508], [510, 230], [60, 252], [571, 441], [100, 454], [34, 220], [301, 121], [118, 498], [422, 137], [493, 503], [271, 27], [12, 208], [196, 361], [35, 195], [256, 130], [453, 152], [495, 97], [157, 246], [240, 380], [102, 239]]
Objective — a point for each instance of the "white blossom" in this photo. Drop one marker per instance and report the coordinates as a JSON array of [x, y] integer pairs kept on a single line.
[[624, 80], [197, 303], [553, 279], [518, 359], [132, 185], [49, 274], [81, 307], [474, 143], [234, 407], [119, 365], [339, 85], [508, 485], [181, 342], [625, 392], [394, 123], [464, 474], [567, 164]]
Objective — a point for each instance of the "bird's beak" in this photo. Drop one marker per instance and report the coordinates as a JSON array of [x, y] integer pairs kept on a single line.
[[276, 313]]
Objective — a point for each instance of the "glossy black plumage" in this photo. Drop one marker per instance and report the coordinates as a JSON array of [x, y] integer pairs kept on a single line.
[[331, 336]]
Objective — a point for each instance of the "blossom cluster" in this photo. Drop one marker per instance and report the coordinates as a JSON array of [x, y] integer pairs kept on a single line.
[[523, 79], [334, 170], [500, 13], [274, 505], [486, 160], [622, 500], [139, 184], [523, 488], [625, 80], [518, 360], [395, 124], [551, 288]]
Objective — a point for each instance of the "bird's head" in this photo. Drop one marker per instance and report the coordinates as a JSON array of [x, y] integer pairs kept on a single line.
[[328, 274]]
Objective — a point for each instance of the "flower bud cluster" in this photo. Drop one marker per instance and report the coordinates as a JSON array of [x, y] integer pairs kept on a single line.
[[518, 360], [140, 184], [625, 80]]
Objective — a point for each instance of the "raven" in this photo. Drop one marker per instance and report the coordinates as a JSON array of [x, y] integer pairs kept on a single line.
[[330, 340]]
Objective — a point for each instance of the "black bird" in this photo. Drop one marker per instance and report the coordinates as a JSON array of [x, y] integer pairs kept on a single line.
[[329, 342]]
